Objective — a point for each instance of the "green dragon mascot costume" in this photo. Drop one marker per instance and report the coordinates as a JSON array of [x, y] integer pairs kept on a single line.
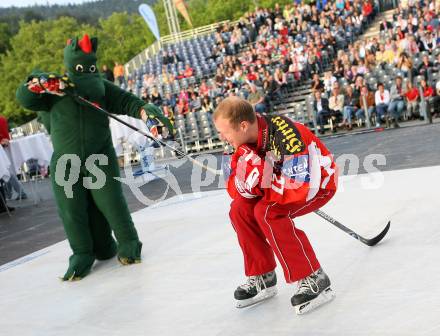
[[89, 215]]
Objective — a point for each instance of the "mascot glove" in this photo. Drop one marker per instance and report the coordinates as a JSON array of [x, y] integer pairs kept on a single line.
[[49, 83]]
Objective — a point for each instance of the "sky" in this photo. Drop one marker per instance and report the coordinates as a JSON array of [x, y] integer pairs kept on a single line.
[[24, 3]]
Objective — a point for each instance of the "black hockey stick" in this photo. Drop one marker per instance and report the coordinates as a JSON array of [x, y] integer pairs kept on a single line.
[[370, 242], [149, 136]]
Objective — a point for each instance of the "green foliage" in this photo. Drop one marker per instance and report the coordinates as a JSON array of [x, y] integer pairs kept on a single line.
[[121, 37], [39, 43], [34, 51], [5, 35]]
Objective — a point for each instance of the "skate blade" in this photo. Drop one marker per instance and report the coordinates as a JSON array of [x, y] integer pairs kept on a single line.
[[326, 296], [262, 296]]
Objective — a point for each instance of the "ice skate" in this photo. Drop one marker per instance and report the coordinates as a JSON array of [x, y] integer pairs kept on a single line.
[[312, 292], [256, 289]]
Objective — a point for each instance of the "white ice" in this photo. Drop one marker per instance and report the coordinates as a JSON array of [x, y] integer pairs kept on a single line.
[[192, 264]]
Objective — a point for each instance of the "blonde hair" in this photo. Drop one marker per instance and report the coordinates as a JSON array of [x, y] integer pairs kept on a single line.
[[235, 110]]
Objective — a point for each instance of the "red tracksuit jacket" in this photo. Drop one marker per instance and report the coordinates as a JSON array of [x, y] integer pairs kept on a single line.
[[289, 164]]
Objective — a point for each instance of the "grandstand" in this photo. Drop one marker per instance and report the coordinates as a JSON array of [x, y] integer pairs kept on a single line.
[[292, 43]]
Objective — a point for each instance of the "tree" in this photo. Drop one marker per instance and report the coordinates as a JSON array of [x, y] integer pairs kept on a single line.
[[30, 50], [5, 35]]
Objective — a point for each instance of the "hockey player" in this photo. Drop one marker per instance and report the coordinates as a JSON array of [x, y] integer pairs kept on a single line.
[[280, 170]]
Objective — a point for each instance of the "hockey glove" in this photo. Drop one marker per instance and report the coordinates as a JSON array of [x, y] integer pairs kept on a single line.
[[246, 173]]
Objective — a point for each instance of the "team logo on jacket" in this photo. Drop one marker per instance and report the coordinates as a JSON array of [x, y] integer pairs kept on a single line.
[[286, 138], [297, 168]]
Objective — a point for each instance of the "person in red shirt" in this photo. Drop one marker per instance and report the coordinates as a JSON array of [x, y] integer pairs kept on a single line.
[[4, 131], [367, 10], [13, 182], [280, 170], [4, 141], [252, 75], [182, 107], [428, 91], [412, 99], [189, 72], [430, 101]]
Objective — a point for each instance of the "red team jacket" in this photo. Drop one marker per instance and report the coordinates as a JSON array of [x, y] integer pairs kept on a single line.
[[289, 164]]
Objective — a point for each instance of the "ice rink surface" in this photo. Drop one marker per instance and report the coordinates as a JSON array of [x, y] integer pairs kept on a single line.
[[192, 264]]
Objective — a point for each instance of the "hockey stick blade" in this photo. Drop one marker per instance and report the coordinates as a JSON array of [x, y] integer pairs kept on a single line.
[[370, 242], [378, 238]]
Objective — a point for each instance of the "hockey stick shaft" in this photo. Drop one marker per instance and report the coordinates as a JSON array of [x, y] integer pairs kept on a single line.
[[149, 136], [370, 242]]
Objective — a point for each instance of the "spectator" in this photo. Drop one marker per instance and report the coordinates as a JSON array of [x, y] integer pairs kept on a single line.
[[165, 59], [220, 77], [108, 74], [182, 107], [317, 83], [155, 97], [329, 80], [173, 58], [195, 104], [381, 56], [412, 99], [336, 105], [397, 103], [257, 99], [189, 72], [385, 26], [425, 68], [281, 79], [351, 105], [321, 110], [166, 77], [382, 101], [183, 95], [405, 65], [367, 10], [369, 101], [429, 43], [13, 182], [214, 91], [144, 95], [118, 72], [170, 101], [203, 88], [297, 66], [437, 63], [358, 84], [412, 47], [430, 101], [207, 105]]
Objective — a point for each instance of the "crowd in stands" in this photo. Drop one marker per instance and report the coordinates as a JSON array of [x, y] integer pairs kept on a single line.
[[398, 72], [270, 51]]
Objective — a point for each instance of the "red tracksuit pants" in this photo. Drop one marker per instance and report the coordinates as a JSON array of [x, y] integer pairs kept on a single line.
[[267, 228]]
